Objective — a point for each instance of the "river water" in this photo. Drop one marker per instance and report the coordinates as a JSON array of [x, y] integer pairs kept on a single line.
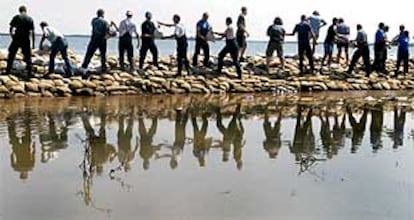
[[318, 156]]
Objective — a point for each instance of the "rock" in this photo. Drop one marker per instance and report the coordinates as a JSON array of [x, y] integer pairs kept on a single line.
[[76, 84], [32, 87], [3, 89], [18, 89], [47, 94]]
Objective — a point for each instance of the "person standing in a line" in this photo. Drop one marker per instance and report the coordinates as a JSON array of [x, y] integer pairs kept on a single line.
[[59, 44], [403, 41], [203, 29], [231, 47], [182, 44], [343, 32], [379, 48], [329, 44], [316, 24], [100, 34], [362, 51], [304, 31], [148, 41], [242, 33], [276, 33], [21, 28], [127, 29]]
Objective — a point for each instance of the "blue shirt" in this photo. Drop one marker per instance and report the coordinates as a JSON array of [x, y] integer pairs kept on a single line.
[[304, 30], [379, 36], [403, 42], [204, 27]]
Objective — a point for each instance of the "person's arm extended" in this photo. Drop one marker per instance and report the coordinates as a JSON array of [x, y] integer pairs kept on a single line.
[[41, 41], [168, 37], [138, 41], [115, 26], [222, 35], [33, 39], [323, 23], [293, 32], [165, 24]]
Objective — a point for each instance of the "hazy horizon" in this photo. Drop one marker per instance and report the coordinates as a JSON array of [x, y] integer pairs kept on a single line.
[[61, 14]]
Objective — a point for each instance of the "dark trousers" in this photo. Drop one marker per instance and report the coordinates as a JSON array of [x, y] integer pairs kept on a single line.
[[125, 45], [380, 51], [305, 49], [362, 51], [94, 44], [60, 46], [201, 45], [233, 49], [403, 56], [182, 47], [24, 45], [148, 44]]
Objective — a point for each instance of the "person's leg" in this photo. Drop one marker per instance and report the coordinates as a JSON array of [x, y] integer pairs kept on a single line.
[[180, 58], [314, 42], [12, 55], [346, 48], [367, 64], [354, 60], [234, 52], [64, 52], [269, 55], [329, 54], [376, 57], [338, 57], [221, 56], [130, 54], [143, 53], [27, 56], [102, 51], [301, 57], [154, 52], [310, 57], [53, 51], [325, 54], [92, 47], [121, 50], [280, 54], [197, 52], [206, 51], [406, 60], [399, 60]]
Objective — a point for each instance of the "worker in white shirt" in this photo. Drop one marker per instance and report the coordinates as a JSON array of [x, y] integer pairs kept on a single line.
[[127, 29], [182, 44], [58, 44]]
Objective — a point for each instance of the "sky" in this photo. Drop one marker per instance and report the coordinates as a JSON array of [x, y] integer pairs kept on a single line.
[[74, 16]]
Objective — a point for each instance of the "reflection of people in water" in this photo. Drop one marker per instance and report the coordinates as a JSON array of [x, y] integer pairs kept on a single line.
[[101, 152], [377, 114], [327, 137], [22, 158], [304, 139], [125, 152], [200, 142], [233, 134], [339, 132], [147, 149], [53, 141], [273, 142], [358, 128], [180, 136], [398, 133]]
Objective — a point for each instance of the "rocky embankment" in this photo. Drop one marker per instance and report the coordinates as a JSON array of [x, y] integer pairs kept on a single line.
[[203, 80]]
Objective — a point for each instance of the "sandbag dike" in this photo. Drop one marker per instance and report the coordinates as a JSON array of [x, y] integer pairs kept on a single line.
[[203, 80]]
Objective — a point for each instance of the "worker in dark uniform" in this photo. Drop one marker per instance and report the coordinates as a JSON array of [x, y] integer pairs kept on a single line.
[[231, 47], [21, 27], [203, 28], [100, 33], [148, 43], [242, 33], [182, 44]]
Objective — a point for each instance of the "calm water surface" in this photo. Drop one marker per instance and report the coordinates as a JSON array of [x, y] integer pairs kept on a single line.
[[319, 156]]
